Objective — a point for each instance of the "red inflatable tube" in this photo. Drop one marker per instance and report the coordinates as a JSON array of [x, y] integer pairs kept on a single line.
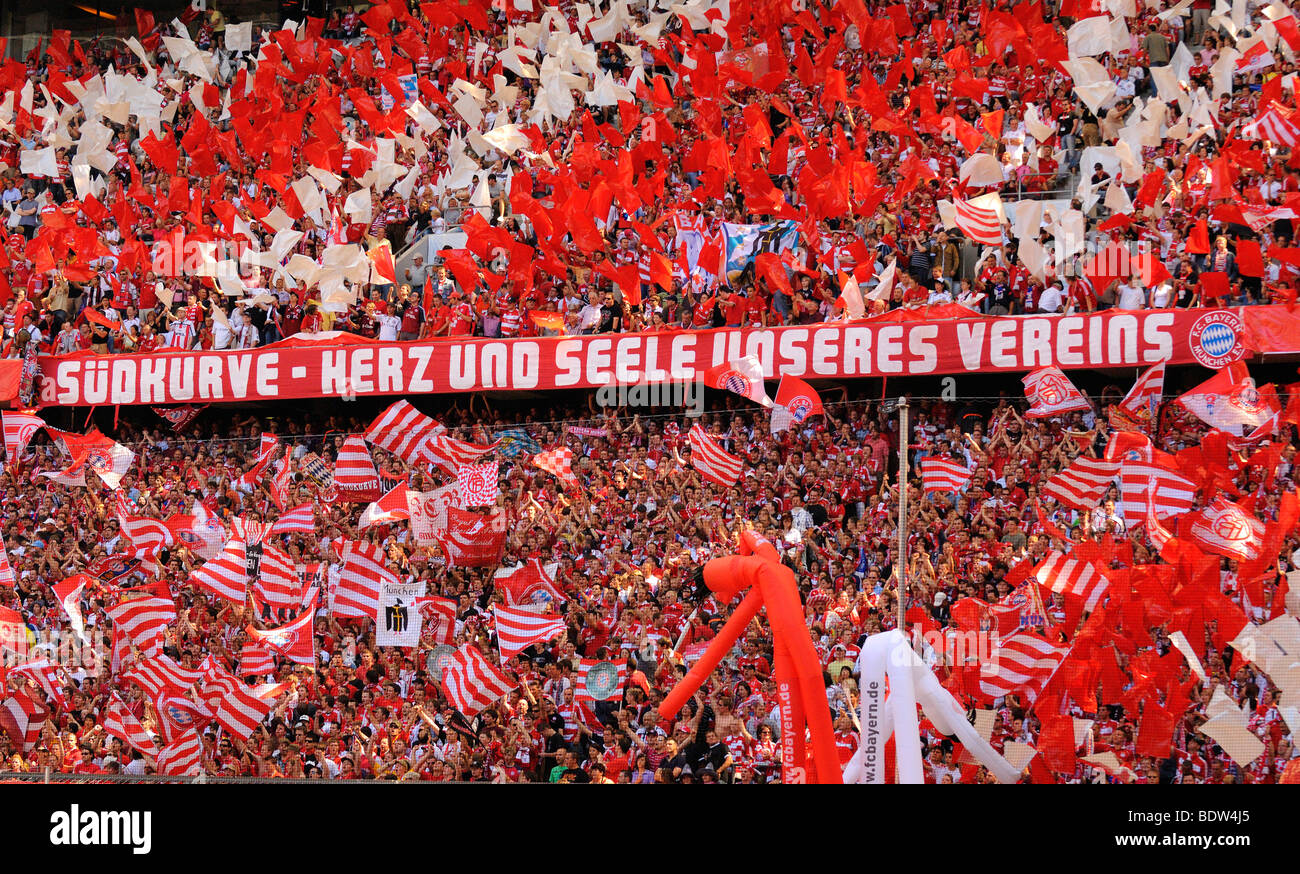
[[798, 672]]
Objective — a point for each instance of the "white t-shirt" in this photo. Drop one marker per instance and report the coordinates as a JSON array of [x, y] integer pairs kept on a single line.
[[1050, 300], [388, 326], [1130, 297]]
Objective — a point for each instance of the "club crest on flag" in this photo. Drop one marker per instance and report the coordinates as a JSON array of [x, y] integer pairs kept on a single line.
[[1052, 389], [1215, 339], [800, 407], [601, 681], [1246, 397], [733, 381]]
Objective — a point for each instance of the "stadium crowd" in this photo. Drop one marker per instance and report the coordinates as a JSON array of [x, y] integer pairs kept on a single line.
[[941, 84], [89, 273], [626, 542]]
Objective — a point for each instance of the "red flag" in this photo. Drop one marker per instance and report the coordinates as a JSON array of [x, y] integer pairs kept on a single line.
[[799, 398]]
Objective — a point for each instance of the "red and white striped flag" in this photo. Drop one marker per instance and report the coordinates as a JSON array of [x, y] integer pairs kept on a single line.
[[451, 454], [144, 621], [1081, 484], [742, 376], [277, 585], [1276, 127], [940, 475], [22, 719], [270, 443], [713, 463], [121, 723], [355, 475], [981, 224], [1141, 465], [1225, 528], [226, 576], [233, 705], [298, 520], [1142, 403], [403, 430], [19, 428], [144, 533], [520, 627], [161, 675], [1022, 664], [49, 678], [559, 463], [1071, 576], [357, 593], [255, 660], [183, 758], [1159, 535], [394, 505], [477, 484], [280, 483], [471, 682], [294, 640], [1051, 393]]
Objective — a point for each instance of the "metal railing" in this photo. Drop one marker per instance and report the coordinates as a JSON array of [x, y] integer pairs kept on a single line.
[[85, 779]]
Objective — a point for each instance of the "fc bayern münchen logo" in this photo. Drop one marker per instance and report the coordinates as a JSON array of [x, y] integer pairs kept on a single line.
[[1215, 339], [602, 680]]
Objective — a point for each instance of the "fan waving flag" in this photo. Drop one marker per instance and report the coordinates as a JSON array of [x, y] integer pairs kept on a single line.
[[355, 475], [22, 719], [599, 680], [1230, 402], [144, 621], [532, 583], [558, 462], [1070, 576], [1142, 402], [452, 454], [122, 723], [515, 442], [796, 401], [520, 627], [19, 428], [1225, 528], [1272, 125], [743, 376], [979, 223], [473, 539], [477, 484], [1025, 663], [713, 463], [226, 576], [938, 475], [357, 593], [393, 506], [294, 640], [1051, 393], [1081, 484], [471, 682], [403, 430], [296, 520]]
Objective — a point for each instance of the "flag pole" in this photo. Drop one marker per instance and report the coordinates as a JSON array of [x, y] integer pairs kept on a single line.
[[902, 514]]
